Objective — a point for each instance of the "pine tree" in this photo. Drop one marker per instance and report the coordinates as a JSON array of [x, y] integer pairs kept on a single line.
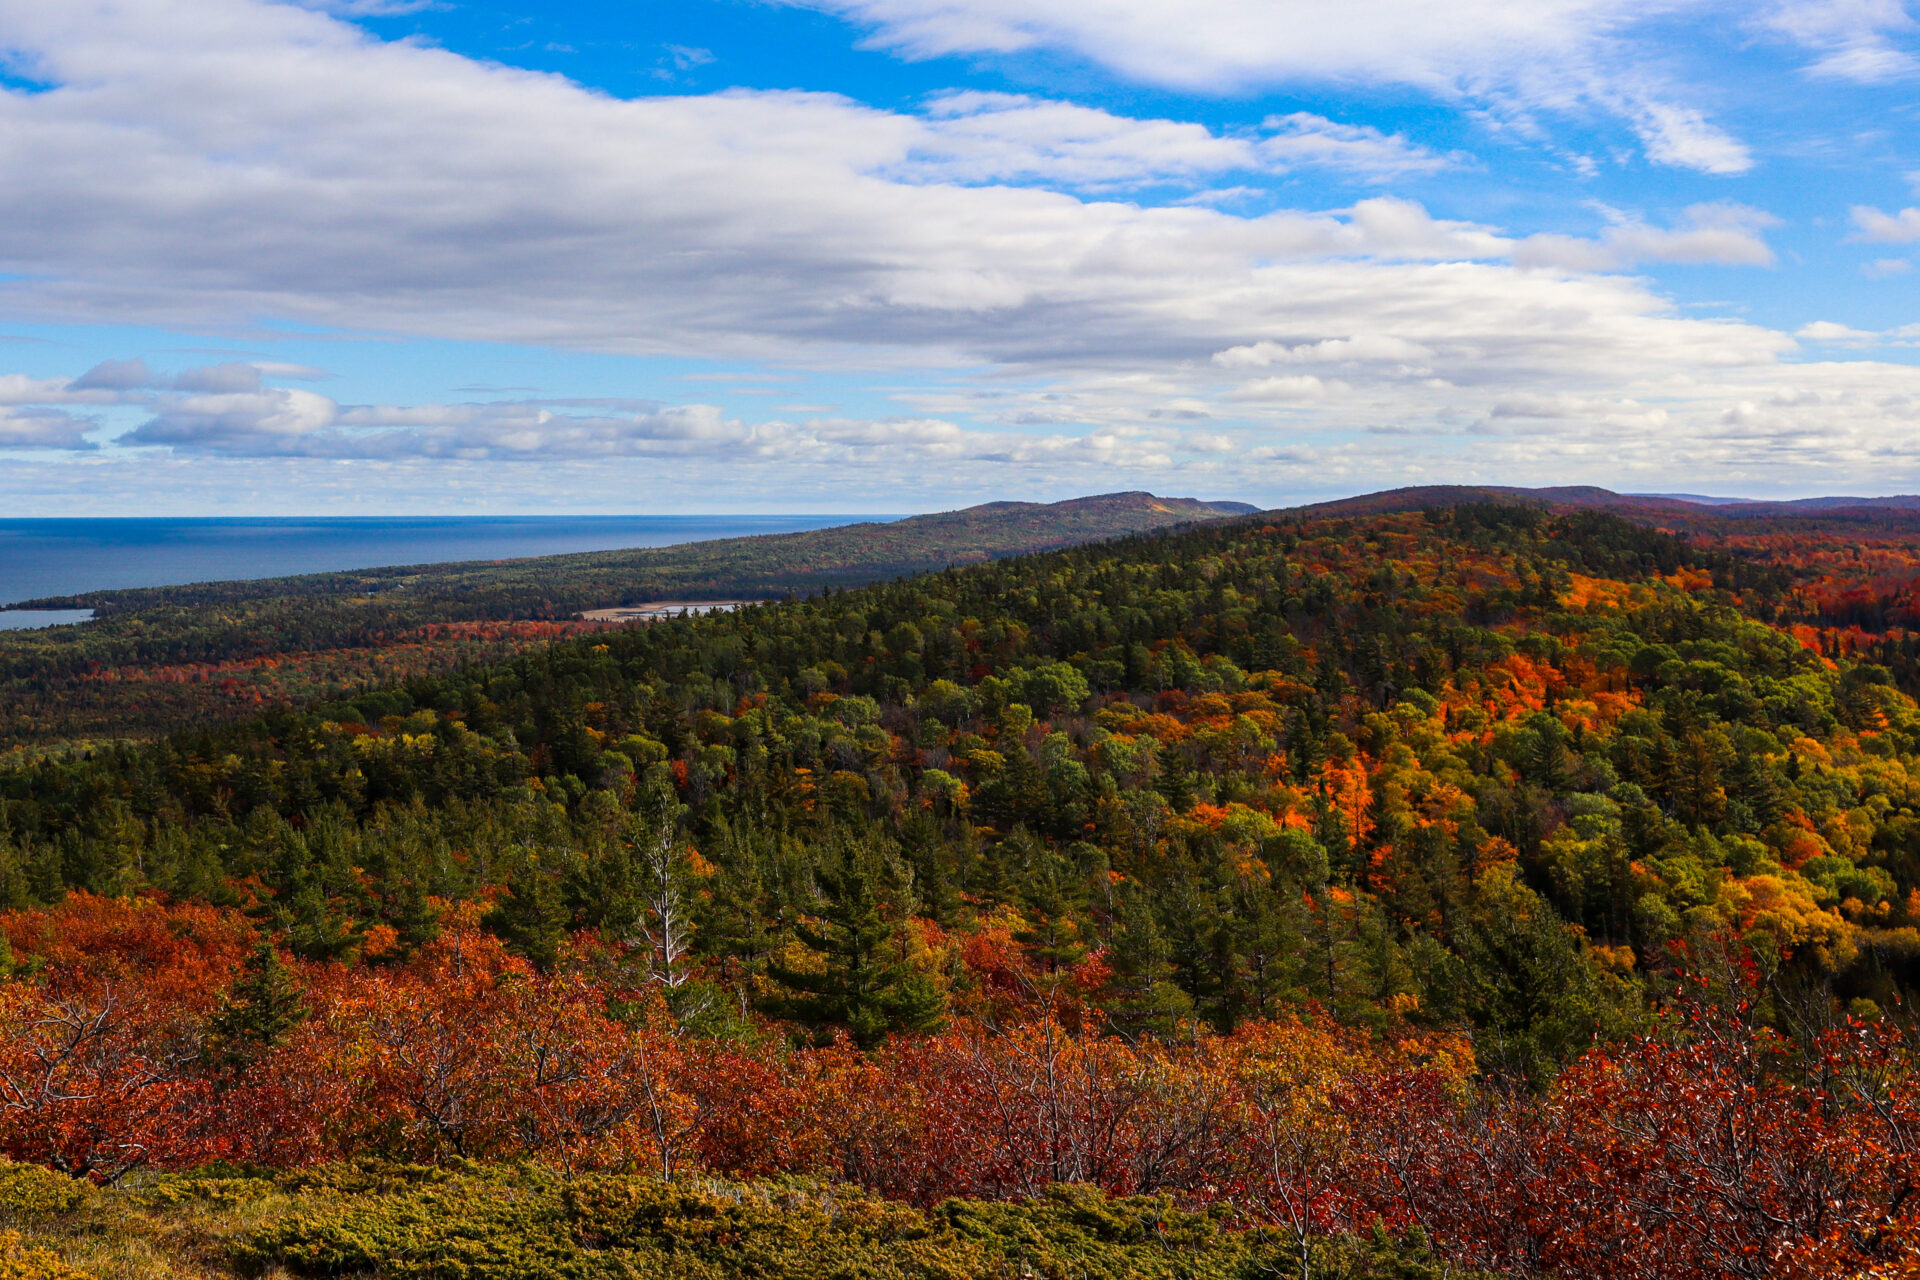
[[316, 931], [257, 1013], [865, 984], [414, 920], [1053, 934], [1145, 999], [530, 917]]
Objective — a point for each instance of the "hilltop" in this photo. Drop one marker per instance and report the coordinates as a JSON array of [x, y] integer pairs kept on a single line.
[[767, 564], [159, 657], [1899, 510]]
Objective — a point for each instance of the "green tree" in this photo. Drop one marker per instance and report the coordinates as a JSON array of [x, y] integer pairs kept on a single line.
[[864, 983], [258, 1012], [1143, 999], [530, 916]]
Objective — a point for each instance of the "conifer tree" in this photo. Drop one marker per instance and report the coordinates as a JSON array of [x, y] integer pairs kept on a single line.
[[414, 920], [316, 930], [1145, 1000], [865, 984], [258, 1012], [530, 917]]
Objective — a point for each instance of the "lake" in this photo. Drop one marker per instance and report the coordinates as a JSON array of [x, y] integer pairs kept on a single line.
[[34, 619], [59, 557]]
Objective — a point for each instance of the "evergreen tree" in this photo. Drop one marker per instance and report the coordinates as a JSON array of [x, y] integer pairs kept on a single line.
[[530, 916], [414, 920], [257, 1013], [316, 930], [1145, 1000], [864, 983], [1053, 934]]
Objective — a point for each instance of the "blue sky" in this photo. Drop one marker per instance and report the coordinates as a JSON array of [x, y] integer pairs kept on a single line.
[[368, 256]]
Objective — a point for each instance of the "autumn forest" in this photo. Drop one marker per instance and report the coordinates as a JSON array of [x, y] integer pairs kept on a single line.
[[1454, 884]]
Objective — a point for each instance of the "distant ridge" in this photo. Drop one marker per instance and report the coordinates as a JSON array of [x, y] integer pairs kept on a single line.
[[1677, 508], [746, 567], [1704, 500]]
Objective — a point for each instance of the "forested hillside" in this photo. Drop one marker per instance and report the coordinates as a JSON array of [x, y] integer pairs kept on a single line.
[[160, 657], [1482, 889]]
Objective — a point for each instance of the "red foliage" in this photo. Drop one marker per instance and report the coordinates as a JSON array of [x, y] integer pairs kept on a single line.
[[1713, 1149]]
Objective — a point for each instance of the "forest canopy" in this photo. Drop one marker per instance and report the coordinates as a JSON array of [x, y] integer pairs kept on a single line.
[[1485, 888]]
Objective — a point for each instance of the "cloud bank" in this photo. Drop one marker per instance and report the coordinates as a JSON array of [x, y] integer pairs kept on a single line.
[[220, 164]]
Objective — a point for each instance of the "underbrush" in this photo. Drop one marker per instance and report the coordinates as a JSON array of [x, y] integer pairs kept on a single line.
[[500, 1222]]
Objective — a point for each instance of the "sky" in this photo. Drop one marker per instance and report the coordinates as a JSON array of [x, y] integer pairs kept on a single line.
[[475, 256]]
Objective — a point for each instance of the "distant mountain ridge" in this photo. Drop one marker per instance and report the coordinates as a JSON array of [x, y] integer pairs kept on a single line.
[[1687, 509], [767, 564]]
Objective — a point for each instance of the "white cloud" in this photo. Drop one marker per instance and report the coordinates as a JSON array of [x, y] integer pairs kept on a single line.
[[1298, 386], [1721, 234], [41, 428], [366, 8], [1615, 413], [223, 163], [1216, 45], [1685, 139], [198, 163], [1852, 37], [301, 424], [1303, 140], [1883, 228], [687, 57], [1828, 331], [118, 376], [1370, 347], [287, 422], [1885, 268], [979, 137], [1552, 55], [986, 137], [121, 382]]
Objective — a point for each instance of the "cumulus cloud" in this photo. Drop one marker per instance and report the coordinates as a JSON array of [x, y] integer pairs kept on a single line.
[[117, 375], [213, 162], [402, 188], [989, 137], [1886, 228], [1304, 140], [40, 428], [294, 424], [1211, 45], [1828, 331], [1365, 346], [398, 187], [134, 382], [1297, 386], [1722, 234]]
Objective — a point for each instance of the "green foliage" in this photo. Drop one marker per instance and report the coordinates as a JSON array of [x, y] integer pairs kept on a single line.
[[335, 625], [864, 983], [1405, 769], [28, 1191], [489, 1223], [258, 1012]]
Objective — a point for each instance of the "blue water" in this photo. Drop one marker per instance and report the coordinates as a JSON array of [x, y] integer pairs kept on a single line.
[[34, 619], [41, 558]]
